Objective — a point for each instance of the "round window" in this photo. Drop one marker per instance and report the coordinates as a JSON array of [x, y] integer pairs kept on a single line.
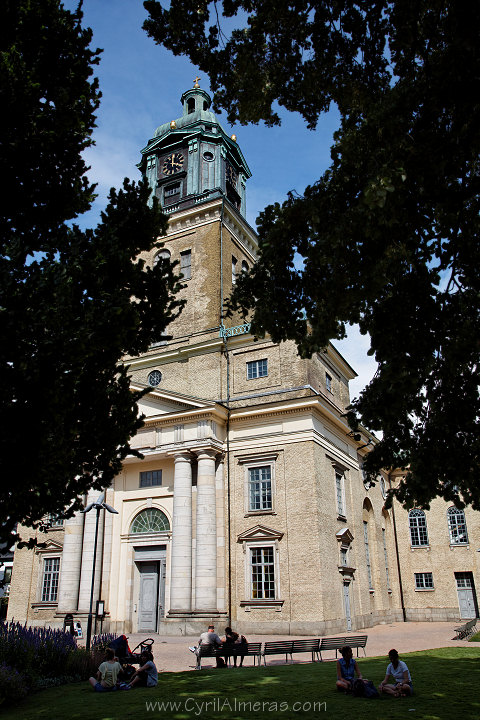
[[208, 156], [155, 378]]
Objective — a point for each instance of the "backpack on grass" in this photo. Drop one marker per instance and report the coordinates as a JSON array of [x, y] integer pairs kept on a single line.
[[364, 689]]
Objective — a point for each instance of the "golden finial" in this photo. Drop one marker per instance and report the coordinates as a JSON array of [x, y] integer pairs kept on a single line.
[[234, 138], [173, 125], [195, 82]]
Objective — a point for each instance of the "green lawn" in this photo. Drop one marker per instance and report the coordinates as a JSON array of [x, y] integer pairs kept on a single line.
[[446, 685]]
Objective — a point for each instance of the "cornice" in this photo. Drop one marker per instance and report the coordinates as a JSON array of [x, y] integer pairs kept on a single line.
[[218, 413], [186, 351], [207, 213]]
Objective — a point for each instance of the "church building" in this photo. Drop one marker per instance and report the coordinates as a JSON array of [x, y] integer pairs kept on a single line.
[[249, 506]]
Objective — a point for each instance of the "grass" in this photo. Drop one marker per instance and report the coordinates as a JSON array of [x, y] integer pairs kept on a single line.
[[444, 680], [475, 638]]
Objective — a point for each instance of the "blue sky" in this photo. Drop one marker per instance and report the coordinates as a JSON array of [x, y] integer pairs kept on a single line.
[[141, 85]]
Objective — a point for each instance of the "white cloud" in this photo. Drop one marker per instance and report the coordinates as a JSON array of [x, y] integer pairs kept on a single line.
[[354, 349]]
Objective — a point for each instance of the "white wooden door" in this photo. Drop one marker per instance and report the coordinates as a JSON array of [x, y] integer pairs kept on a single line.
[[466, 601], [148, 600]]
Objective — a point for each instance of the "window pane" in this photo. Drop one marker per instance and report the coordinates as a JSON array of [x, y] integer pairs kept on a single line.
[[150, 478], [151, 520], [367, 555], [263, 573], [457, 526], [257, 369], [260, 488], [339, 492], [418, 528], [50, 579], [186, 264], [423, 581]]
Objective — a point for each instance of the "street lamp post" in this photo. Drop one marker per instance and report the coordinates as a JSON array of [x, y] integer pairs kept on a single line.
[[99, 505]]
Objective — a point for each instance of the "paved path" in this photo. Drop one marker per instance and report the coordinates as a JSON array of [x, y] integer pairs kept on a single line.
[[172, 654]]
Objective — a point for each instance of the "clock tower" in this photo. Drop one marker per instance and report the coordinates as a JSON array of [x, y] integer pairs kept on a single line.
[[192, 159], [198, 173]]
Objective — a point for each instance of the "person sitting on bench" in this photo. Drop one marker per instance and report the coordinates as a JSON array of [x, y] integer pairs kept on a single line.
[[209, 637]]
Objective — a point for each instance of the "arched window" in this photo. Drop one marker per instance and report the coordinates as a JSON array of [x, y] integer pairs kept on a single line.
[[244, 266], [164, 254], [457, 526], [190, 105], [418, 528], [148, 521]]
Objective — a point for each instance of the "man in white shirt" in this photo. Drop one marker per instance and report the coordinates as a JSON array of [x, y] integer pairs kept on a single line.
[[209, 637]]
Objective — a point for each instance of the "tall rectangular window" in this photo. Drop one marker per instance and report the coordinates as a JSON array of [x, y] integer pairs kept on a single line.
[[186, 264], [150, 478], [51, 571], [263, 573], [234, 269], [257, 369], [418, 528], [339, 493], [457, 526], [424, 581], [260, 488], [328, 382], [367, 555], [387, 573]]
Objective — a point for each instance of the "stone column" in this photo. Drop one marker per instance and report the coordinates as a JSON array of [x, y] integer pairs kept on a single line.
[[71, 564], [221, 535], [181, 553], [87, 555], [206, 545]]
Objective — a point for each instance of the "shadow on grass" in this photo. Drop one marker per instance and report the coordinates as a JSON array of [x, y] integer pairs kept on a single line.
[[444, 682]]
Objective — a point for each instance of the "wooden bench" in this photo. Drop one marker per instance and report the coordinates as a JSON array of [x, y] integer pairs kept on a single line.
[[289, 647], [227, 651], [464, 631], [312, 645], [336, 643], [278, 647], [253, 649]]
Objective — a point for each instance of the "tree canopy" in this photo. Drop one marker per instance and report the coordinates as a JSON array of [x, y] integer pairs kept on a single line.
[[388, 235], [72, 302]]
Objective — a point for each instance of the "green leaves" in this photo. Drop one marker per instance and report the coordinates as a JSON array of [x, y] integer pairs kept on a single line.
[[72, 302], [388, 237]]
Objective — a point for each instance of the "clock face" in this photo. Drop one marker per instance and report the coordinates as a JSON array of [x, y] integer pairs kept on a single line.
[[173, 163], [231, 176]]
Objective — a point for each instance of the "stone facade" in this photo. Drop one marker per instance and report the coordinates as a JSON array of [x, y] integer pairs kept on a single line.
[[249, 505]]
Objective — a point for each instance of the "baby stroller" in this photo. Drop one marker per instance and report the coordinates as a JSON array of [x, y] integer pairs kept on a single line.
[[126, 657]]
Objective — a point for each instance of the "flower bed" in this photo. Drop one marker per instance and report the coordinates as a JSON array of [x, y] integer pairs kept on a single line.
[[35, 658]]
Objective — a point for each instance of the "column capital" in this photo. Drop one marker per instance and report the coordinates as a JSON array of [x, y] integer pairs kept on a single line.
[[206, 453], [182, 455]]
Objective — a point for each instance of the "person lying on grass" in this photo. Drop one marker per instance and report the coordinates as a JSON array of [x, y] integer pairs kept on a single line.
[[399, 671], [107, 675], [146, 675], [346, 669]]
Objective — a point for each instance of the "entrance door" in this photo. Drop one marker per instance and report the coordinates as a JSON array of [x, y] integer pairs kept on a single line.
[[346, 602], [466, 595], [148, 600]]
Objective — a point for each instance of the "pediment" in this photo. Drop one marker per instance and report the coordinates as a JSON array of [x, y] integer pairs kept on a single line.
[[50, 546], [164, 403], [259, 532]]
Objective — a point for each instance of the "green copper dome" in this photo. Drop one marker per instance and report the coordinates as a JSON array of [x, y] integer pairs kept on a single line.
[[192, 159]]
